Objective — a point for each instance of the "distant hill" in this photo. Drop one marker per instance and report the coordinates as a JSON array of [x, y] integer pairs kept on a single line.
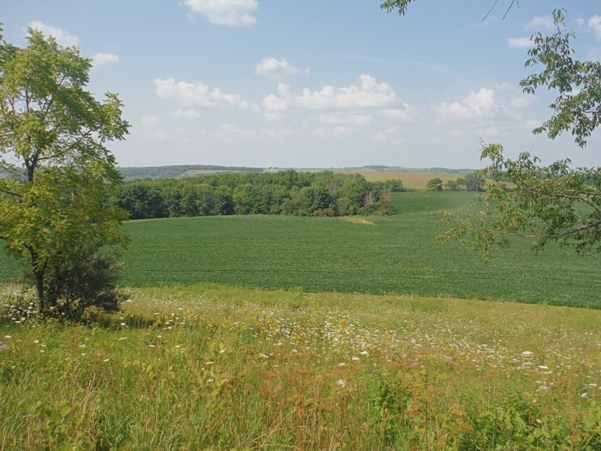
[[178, 171]]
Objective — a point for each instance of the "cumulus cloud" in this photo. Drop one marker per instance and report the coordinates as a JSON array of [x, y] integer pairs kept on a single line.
[[541, 23], [190, 113], [369, 94], [397, 115], [231, 13], [477, 105], [229, 133], [150, 122], [353, 119], [61, 36], [531, 124], [150, 129], [273, 68], [522, 101], [594, 24], [196, 94], [389, 135], [519, 43], [101, 59]]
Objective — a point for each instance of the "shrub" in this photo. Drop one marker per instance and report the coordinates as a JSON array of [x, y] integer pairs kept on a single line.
[[90, 280]]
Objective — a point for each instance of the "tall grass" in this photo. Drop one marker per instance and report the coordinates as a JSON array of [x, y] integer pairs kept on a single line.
[[212, 367]]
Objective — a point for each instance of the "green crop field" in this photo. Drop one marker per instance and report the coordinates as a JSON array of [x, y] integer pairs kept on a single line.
[[396, 254]]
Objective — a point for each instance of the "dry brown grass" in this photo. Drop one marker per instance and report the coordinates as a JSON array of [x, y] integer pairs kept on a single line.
[[356, 220], [415, 180]]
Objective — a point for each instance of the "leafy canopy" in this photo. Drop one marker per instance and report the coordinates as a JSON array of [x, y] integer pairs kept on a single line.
[[554, 203], [53, 156]]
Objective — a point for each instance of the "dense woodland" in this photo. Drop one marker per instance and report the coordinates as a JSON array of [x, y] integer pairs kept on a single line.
[[285, 192]]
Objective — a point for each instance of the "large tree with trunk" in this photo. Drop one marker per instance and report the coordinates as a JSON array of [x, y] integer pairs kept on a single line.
[[54, 163]]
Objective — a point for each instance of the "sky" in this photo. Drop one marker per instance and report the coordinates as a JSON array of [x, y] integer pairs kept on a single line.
[[316, 83]]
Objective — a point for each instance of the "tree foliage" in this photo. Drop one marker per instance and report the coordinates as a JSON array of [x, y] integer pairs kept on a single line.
[[554, 203], [53, 136], [323, 193]]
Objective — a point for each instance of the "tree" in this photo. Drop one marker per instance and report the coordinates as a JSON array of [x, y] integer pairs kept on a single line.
[[402, 5], [554, 203], [434, 184], [475, 181], [53, 136]]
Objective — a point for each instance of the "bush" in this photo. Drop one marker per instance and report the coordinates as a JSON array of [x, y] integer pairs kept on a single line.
[[89, 281]]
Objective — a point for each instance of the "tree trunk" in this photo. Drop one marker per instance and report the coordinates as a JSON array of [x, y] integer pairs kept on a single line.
[[38, 274], [39, 288]]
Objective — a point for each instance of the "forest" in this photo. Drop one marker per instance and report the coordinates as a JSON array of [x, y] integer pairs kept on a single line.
[[284, 192]]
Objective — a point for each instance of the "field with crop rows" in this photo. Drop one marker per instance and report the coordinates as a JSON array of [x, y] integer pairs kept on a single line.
[[396, 254]]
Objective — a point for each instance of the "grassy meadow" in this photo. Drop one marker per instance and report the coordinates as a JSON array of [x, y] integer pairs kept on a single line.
[[213, 367], [275, 332]]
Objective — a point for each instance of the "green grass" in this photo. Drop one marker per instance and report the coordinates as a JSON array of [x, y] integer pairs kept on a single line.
[[428, 201], [397, 254], [220, 368]]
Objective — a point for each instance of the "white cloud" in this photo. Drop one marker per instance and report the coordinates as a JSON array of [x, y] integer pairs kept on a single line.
[[522, 101], [594, 54], [232, 13], [61, 36], [196, 94], [387, 135], [477, 105], [406, 115], [149, 125], [490, 131], [150, 122], [190, 113], [353, 119], [594, 24], [229, 133], [369, 94], [532, 124], [101, 59], [273, 68], [340, 131], [519, 43], [542, 23]]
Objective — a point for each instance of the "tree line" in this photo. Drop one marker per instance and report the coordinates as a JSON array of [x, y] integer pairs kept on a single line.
[[284, 192]]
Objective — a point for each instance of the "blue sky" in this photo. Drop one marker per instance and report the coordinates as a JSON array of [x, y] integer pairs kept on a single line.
[[274, 83]]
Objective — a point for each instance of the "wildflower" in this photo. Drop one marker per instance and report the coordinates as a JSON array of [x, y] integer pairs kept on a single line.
[[342, 364], [122, 338], [584, 395], [8, 337], [3, 347], [107, 360], [210, 363], [364, 353], [355, 358], [341, 382], [527, 354], [210, 380], [123, 324], [264, 356]]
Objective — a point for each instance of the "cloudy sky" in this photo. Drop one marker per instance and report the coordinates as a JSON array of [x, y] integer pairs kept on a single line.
[[316, 83]]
